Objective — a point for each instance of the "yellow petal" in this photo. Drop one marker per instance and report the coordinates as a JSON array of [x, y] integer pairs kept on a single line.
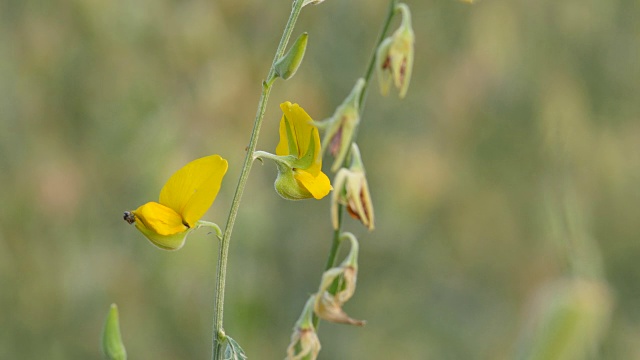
[[192, 189], [319, 186], [161, 225], [301, 128], [159, 219]]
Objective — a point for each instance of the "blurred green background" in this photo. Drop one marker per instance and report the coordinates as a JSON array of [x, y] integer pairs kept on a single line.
[[518, 141]]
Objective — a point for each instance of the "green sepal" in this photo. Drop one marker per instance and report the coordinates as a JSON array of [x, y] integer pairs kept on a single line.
[[287, 186]]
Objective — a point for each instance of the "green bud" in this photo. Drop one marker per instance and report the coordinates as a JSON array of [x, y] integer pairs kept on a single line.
[[287, 65], [112, 346]]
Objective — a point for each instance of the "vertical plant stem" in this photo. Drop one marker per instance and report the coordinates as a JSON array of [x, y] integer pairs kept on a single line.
[[218, 305], [335, 245], [367, 77]]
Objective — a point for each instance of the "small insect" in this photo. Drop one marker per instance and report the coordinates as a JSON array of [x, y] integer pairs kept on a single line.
[[128, 217]]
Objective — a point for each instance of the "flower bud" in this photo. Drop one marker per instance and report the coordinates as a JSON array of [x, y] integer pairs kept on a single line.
[[352, 190], [287, 65], [112, 346], [340, 128], [394, 57], [305, 343], [337, 286]]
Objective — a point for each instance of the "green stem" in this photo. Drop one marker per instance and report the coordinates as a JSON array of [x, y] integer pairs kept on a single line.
[[331, 260], [367, 77], [335, 246], [223, 252]]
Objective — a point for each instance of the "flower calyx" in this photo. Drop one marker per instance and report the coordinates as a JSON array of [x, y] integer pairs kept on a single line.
[[337, 287], [352, 191], [341, 127], [394, 57], [305, 343]]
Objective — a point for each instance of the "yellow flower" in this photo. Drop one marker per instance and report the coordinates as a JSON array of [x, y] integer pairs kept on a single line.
[[184, 199], [298, 157]]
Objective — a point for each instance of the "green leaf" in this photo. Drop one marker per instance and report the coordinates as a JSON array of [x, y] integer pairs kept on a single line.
[[233, 351]]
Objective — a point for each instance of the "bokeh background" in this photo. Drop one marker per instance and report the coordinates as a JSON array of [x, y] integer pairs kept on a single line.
[[513, 163]]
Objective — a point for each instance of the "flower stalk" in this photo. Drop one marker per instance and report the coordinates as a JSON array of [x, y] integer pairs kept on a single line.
[[335, 245], [219, 337]]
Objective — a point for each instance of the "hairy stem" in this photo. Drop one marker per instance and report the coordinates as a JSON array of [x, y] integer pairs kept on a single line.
[[223, 252]]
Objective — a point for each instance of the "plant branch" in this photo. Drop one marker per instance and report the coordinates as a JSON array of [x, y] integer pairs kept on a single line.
[[218, 306], [335, 246]]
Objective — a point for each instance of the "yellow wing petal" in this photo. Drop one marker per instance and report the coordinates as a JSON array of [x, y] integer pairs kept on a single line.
[[319, 186], [192, 189]]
